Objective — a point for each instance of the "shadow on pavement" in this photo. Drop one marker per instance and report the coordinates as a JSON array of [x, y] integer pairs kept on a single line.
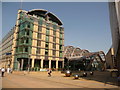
[[100, 76]]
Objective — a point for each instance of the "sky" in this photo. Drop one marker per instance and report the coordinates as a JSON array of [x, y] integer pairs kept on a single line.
[[86, 24]]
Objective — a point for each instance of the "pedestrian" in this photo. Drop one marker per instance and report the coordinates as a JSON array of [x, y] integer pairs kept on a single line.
[[3, 71], [8, 70], [11, 70], [49, 73]]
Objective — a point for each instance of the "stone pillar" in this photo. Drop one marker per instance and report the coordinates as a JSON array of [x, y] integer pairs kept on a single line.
[[56, 64], [62, 64], [18, 66], [49, 64], [41, 63], [22, 61], [32, 63]]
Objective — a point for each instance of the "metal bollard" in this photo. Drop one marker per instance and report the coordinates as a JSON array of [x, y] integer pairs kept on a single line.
[[68, 73], [76, 76], [84, 74], [91, 73]]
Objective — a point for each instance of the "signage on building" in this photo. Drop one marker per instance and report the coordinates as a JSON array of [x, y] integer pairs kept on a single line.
[[8, 53]]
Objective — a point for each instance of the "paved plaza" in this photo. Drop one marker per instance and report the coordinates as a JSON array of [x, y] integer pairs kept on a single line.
[[41, 80]]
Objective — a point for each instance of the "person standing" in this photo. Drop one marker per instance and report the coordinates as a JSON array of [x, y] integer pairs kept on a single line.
[[3, 71], [8, 70]]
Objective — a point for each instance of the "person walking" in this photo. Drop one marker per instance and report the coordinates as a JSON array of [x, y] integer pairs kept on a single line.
[[3, 71], [49, 73]]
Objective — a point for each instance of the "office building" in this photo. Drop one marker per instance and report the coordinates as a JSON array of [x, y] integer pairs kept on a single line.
[[36, 41]]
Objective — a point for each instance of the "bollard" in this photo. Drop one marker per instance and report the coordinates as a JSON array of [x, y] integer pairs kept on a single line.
[[68, 73], [76, 76], [84, 74], [91, 73]]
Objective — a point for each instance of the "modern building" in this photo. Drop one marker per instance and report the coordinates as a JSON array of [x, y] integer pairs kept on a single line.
[[36, 41], [76, 58], [114, 10]]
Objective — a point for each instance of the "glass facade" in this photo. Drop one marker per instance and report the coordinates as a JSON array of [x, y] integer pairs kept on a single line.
[[38, 37]]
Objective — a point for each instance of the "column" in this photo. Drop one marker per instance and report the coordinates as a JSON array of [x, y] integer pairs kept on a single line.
[[18, 65], [22, 61], [49, 64], [41, 63], [56, 64], [32, 63], [62, 64]]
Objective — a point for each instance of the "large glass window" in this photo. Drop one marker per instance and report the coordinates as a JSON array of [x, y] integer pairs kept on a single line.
[[54, 33], [54, 52], [39, 28], [22, 40], [16, 49], [38, 43], [46, 52], [61, 35], [26, 49], [54, 39], [27, 32], [28, 24], [60, 41], [40, 21], [38, 51], [27, 40], [54, 46], [60, 47], [60, 53], [47, 38], [46, 45], [54, 27], [47, 31], [39, 36], [21, 49]]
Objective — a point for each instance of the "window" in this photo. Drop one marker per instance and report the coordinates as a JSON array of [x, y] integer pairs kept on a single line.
[[54, 33], [27, 40], [47, 45], [54, 52], [54, 27], [54, 39], [39, 28], [54, 46], [22, 40], [41, 22], [27, 32], [21, 49], [23, 32], [60, 47], [38, 43], [60, 41], [26, 49], [61, 35], [46, 52], [38, 51], [47, 38], [17, 49], [60, 53], [61, 28], [39, 36], [47, 31], [28, 24]]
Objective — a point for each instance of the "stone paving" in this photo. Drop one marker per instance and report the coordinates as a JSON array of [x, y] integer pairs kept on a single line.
[[41, 80]]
